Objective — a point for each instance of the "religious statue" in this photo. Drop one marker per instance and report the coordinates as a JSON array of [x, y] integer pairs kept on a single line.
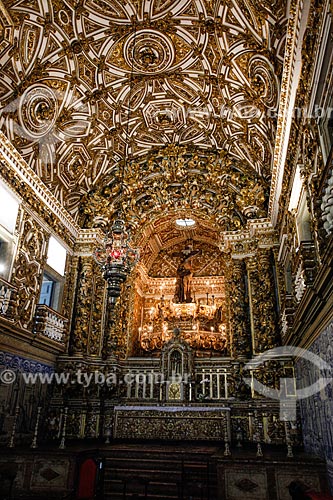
[[175, 363], [183, 292]]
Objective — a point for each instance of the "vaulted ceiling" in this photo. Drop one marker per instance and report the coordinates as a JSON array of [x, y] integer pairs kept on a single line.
[[177, 100]]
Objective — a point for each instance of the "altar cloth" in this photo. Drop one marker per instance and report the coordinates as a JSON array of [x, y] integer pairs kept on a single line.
[[190, 423], [171, 408]]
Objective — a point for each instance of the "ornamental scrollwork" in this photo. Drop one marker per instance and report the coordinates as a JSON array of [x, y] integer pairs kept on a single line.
[[191, 73], [28, 268]]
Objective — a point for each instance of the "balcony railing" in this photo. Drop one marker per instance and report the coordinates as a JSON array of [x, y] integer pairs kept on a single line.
[[305, 268], [326, 187], [287, 315], [50, 324], [7, 299]]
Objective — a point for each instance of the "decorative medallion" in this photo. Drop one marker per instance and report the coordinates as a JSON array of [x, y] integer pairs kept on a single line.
[[148, 51], [164, 114], [38, 110]]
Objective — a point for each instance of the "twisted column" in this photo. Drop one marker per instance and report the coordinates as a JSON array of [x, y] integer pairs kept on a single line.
[[264, 323], [238, 302], [84, 306]]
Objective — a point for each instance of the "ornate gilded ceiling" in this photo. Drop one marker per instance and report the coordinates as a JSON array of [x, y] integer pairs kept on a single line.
[[162, 238], [85, 84]]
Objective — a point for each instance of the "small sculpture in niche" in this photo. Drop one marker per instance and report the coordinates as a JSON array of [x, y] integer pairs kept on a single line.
[[175, 363]]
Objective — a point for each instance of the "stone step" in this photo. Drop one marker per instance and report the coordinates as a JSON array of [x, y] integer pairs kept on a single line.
[[119, 463], [159, 486], [115, 488], [143, 473], [160, 475], [164, 496], [133, 463], [155, 455]]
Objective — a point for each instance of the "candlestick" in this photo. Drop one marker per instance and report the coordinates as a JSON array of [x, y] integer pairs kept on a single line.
[[259, 450], [62, 443], [61, 416], [227, 451], [290, 453], [258, 434], [34, 441], [107, 434], [12, 437]]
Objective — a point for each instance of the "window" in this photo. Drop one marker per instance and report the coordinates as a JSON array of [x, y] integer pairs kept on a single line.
[[7, 248], [185, 223], [9, 206], [323, 103], [48, 289], [56, 256], [303, 220], [288, 279], [326, 129], [296, 189], [53, 277]]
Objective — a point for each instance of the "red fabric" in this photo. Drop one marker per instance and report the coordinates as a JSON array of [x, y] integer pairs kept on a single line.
[[87, 478], [318, 496]]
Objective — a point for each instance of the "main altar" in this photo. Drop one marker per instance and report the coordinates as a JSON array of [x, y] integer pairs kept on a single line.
[[179, 423], [173, 354]]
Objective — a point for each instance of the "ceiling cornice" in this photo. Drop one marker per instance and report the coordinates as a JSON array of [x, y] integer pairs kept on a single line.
[[298, 14], [22, 170]]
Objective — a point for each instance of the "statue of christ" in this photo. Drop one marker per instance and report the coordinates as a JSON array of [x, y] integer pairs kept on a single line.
[[183, 292]]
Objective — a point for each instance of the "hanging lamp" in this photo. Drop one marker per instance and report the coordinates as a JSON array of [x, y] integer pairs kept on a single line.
[[117, 258]]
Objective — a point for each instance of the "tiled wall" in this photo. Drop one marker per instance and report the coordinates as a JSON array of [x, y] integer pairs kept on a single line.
[[17, 394], [317, 410], [19, 364]]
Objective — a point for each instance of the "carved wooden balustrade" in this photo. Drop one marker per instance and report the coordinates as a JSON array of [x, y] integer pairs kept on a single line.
[[287, 315], [50, 324], [8, 294], [326, 188], [305, 268]]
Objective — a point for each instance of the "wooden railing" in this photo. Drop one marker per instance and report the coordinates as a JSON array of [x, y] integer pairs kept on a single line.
[[50, 324], [326, 188], [287, 315], [305, 268]]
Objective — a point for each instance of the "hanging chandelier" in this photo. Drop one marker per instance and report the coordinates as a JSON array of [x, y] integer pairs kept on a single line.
[[116, 259]]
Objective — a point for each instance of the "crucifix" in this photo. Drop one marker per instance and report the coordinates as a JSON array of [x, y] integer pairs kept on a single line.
[[184, 274]]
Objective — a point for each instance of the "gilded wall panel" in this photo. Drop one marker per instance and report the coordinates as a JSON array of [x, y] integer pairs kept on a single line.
[[86, 295], [97, 313], [238, 308], [28, 268], [265, 332], [83, 306]]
